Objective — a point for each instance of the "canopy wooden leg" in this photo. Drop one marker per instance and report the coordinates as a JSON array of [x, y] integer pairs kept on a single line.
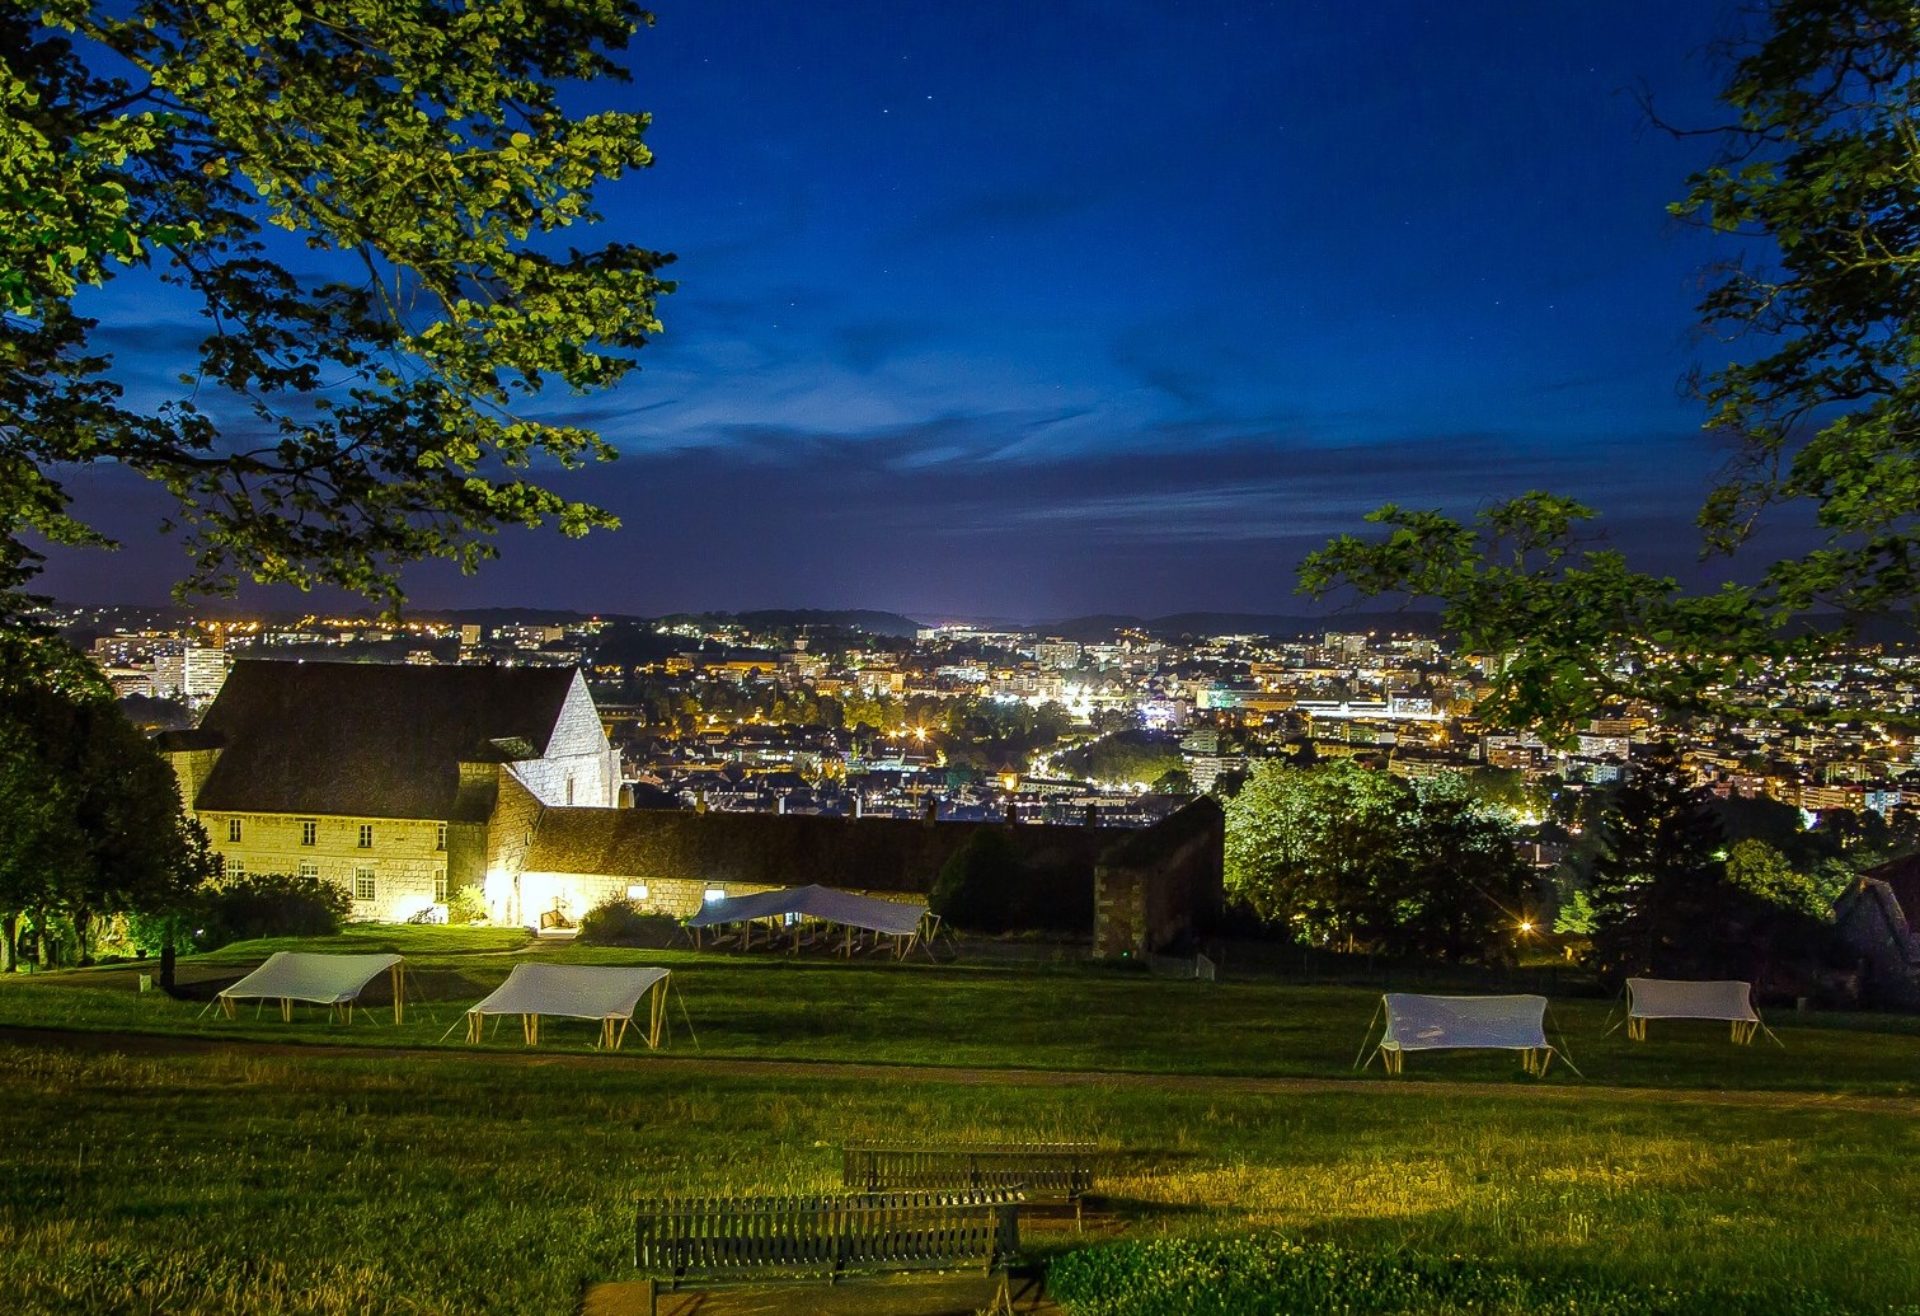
[[399, 993], [286, 1010]]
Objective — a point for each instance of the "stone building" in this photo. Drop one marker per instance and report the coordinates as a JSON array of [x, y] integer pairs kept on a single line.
[[405, 783], [401, 783]]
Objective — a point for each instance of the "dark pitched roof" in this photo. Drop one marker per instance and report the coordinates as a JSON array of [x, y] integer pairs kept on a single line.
[[1902, 877], [865, 854], [370, 739]]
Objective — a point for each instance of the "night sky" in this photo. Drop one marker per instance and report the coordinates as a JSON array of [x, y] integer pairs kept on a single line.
[[1030, 310]]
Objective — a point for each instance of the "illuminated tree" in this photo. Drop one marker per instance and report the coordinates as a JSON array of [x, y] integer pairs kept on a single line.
[[367, 200], [90, 817], [1821, 164], [1354, 858]]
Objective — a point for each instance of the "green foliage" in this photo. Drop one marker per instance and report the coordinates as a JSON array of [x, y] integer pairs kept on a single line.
[[1174, 781], [984, 886], [1575, 916], [1257, 1274], [1669, 898], [90, 818], [615, 921], [466, 905], [1661, 903], [1342, 854], [1125, 758], [993, 736], [1821, 162], [266, 905], [362, 407], [1764, 873]]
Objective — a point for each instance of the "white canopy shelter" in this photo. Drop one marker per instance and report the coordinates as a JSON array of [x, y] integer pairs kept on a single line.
[[898, 919], [330, 980], [1448, 1023], [1669, 998], [608, 995]]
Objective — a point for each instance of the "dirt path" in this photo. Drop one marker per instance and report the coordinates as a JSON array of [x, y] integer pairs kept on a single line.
[[161, 1044]]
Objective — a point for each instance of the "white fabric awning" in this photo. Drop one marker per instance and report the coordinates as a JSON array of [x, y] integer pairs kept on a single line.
[[297, 975], [828, 904], [1433, 1023], [1667, 998], [573, 991]]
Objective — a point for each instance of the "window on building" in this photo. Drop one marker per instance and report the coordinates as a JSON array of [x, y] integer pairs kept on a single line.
[[440, 836], [309, 831], [569, 790], [366, 836], [236, 867], [363, 888], [638, 891], [714, 893], [308, 868], [439, 886], [233, 829]]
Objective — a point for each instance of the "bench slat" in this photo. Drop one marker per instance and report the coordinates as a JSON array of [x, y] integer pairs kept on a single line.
[[1050, 1169], [721, 1238]]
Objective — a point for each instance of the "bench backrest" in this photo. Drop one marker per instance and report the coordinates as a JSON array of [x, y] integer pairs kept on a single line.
[[742, 1237], [1043, 1169]]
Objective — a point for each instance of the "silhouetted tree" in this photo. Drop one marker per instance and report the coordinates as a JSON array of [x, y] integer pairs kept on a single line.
[[1659, 895]]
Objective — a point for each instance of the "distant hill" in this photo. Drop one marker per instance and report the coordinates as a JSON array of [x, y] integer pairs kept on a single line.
[[855, 619], [1102, 626]]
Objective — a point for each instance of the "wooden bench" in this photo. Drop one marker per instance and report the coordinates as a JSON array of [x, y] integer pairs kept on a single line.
[[759, 1240], [1056, 1172]]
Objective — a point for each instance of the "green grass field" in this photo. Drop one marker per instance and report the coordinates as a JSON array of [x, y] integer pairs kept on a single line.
[[246, 1177]]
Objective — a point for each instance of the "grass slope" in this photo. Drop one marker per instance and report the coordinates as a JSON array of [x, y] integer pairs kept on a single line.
[[1067, 1018], [253, 1178]]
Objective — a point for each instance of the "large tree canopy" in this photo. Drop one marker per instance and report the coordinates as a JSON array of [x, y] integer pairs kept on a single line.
[[1821, 172], [366, 199], [1343, 855]]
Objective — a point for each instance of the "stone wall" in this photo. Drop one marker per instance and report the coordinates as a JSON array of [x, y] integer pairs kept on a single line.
[[405, 856], [516, 811], [675, 897], [191, 768], [1163, 888]]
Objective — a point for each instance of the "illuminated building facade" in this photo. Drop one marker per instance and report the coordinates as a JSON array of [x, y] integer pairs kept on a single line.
[[400, 783]]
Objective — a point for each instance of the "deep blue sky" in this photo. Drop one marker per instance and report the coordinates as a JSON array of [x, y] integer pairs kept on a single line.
[[1037, 309]]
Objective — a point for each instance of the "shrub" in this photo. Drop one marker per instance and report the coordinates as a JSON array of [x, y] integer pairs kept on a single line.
[[1258, 1274], [266, 905], [615, 921], [468, 904], [983, 886]]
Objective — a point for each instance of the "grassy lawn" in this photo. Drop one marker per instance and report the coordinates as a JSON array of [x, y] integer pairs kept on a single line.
[[921, 1014], [250, 1178], [339, 1183]]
